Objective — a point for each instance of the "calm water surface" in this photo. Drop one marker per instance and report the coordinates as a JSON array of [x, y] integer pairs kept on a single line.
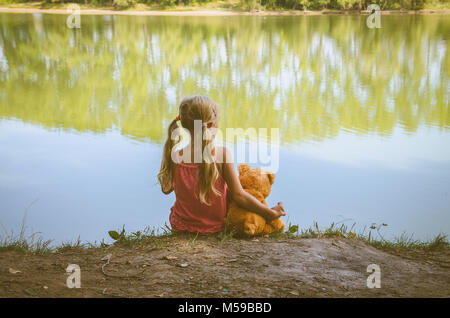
[[363, 116]]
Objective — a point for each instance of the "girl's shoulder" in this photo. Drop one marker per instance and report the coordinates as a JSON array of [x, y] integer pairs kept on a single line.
[[223, 155]]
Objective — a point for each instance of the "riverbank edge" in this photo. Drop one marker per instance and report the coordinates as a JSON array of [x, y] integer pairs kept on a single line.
[[215, 12], [403, 244]]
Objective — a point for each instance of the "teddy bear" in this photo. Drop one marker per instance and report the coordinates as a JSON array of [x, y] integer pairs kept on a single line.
[[258, 183]]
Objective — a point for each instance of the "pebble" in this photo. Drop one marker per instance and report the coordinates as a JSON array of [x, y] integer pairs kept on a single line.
[[13, 271]]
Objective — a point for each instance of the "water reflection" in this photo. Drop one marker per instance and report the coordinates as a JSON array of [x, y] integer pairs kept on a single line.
[[363, 115], [310, 76]]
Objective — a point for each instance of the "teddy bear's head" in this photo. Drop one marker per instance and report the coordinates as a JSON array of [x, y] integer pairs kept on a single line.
[[256, 179]]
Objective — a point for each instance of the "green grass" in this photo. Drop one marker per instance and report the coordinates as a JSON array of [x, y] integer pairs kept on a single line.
[[402, 242], [22, 242], [25, 244], [371, 235], [155, 238]]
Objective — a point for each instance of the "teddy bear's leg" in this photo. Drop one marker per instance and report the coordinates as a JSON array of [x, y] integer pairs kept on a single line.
[[268, 229], [249, 228], [254, 224], [277, 224]]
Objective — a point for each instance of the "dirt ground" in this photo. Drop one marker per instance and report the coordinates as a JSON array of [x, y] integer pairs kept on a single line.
[[208, 267]]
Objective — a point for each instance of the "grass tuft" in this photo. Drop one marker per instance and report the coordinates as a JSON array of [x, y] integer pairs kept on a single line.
[[403, 242], [33, 243]]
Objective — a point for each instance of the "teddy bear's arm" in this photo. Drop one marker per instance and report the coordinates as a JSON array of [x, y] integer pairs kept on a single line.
[[256, 194]]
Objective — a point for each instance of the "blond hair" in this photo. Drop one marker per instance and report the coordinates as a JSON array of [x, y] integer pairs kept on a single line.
[[191, 109]]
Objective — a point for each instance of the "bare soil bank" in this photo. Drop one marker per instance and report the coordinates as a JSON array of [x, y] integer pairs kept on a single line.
[[200, 12], [208, 267]]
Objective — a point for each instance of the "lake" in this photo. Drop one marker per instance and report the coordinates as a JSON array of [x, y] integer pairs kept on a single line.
[[362, 114]]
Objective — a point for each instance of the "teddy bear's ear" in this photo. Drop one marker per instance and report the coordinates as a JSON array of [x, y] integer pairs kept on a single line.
[[271, 177], [243, 168]]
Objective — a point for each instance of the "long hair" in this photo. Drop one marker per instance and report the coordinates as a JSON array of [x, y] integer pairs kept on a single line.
[[193, 108], [167, 170]]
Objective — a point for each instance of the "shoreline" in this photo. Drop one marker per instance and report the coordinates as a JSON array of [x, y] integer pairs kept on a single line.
[[214, 12]]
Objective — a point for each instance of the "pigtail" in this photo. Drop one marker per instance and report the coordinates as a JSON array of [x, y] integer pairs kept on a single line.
[[208, 172], [167, 171]]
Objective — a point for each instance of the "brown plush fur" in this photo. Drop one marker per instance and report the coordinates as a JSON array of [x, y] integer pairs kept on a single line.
[[258, 183]]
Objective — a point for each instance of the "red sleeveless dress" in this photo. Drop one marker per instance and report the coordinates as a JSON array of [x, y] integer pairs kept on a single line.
[[188, 213]]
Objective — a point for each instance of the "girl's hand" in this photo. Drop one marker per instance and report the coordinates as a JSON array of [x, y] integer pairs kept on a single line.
[[278, 210]]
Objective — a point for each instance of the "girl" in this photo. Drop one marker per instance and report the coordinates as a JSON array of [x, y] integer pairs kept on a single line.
[[201, 188]]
